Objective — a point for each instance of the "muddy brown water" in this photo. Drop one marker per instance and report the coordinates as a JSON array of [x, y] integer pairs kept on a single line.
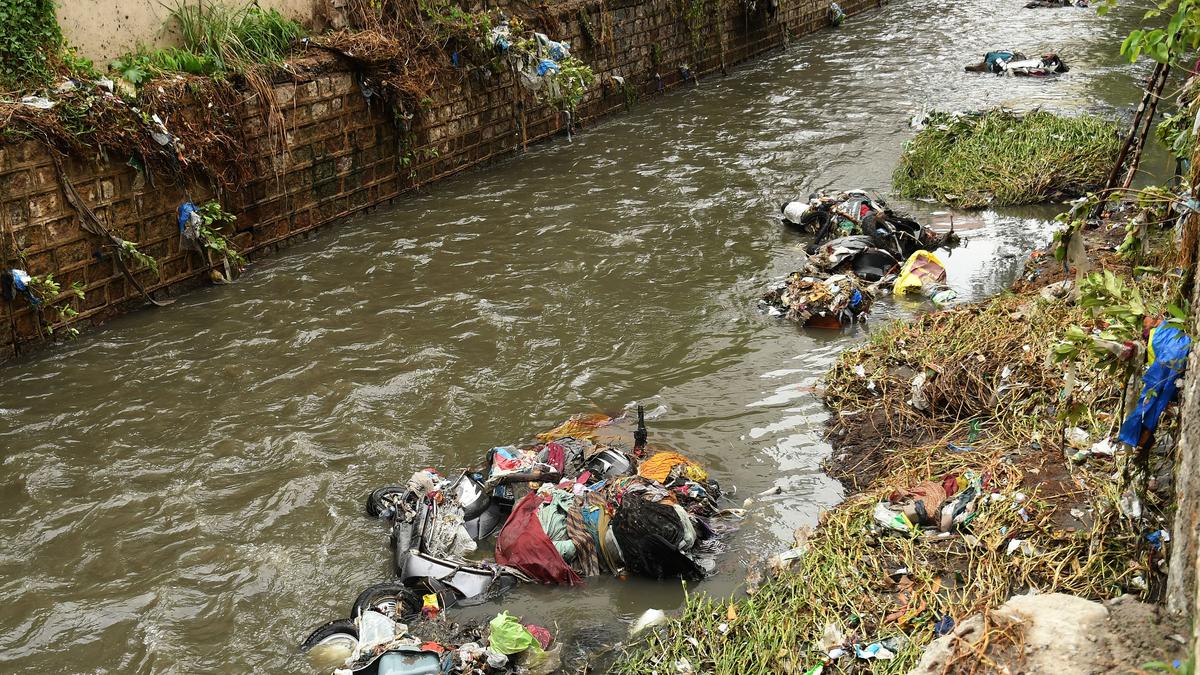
[[182, 491]]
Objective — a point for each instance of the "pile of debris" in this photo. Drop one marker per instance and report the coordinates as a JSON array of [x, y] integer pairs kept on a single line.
[[184, 126], [582, 501], [833, 302], [1009, 62], [859, 245], [378, 640], [837, 216]]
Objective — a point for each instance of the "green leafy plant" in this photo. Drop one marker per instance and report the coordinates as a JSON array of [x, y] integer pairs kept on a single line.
[[29, 40], [1174, 42], [1153, 208], [135, 68], [1109, 295], [212, 219], [1182, 32], [216, 39], [129, 251], [1187, 667], [1175, 131], [1120, 311], [1073, 220], [140, 66], [48, 290], [79, 67], [573, 80]]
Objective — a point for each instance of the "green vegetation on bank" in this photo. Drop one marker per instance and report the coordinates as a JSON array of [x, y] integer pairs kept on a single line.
[[29, 40], [216, 39], [988, 387], [1002, 157]]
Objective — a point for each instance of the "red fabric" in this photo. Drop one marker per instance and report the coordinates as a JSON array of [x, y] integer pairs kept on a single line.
[[505, 464], [433, 647], [556, 456], [540, 634], [950, 484], [524, 545]]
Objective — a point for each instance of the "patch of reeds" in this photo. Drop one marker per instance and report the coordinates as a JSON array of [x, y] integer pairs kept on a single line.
[[1001, 157], [216, 39], [232, 37]]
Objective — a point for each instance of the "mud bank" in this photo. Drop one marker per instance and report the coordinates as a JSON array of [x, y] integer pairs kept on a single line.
[[965, 408]]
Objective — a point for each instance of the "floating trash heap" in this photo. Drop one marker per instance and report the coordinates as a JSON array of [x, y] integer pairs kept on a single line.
[[859, 244], [581, 501]]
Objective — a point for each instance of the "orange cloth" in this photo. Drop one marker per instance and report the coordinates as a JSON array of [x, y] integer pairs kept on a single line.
[[580, 426], [660, 465]]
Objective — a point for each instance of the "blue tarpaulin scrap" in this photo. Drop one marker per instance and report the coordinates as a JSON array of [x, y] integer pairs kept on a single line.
[[20, 280], [1168, 354], [186, 210], [995, 60]]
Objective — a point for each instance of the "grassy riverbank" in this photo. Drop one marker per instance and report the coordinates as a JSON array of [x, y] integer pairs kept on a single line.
[[1002, 157], [1043, 522]]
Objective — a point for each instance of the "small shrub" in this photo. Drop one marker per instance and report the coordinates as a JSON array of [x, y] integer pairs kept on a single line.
[[232, 37]]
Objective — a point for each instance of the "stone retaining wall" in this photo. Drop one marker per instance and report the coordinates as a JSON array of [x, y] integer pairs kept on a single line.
[[344, 155]]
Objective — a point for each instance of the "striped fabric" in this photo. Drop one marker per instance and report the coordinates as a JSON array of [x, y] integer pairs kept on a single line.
[[586, 563]]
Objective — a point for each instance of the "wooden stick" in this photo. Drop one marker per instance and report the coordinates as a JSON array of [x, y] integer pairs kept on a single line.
[[1111, 181], [1149, 124]]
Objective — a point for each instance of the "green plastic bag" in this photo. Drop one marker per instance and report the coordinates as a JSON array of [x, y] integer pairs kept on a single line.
[[508, 636]]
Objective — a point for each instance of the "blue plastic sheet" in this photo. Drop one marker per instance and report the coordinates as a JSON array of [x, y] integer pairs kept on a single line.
[[1169, 349], [186, 210], [944, 625], [20, 282], [995, 60]]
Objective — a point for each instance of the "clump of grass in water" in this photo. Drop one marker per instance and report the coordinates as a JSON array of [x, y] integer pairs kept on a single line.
[[1005, 158], [844, 576]]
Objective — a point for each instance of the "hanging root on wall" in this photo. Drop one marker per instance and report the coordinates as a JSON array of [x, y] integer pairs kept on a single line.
[[121, 250]]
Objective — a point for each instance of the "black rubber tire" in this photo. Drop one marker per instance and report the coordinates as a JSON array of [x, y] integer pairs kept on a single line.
[[325, 631], [407, 600], [375, 501]]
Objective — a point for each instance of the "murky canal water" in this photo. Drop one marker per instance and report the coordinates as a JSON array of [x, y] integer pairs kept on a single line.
[[182, 491]]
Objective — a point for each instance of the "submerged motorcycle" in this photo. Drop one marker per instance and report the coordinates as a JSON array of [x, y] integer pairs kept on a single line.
[[660, 528]]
